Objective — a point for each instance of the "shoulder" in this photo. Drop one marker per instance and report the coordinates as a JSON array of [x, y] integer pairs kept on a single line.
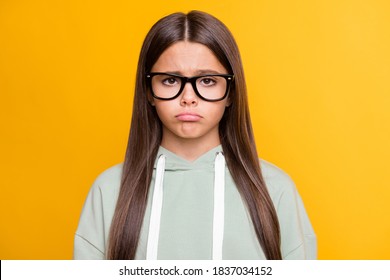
[[275, 177], [271, 171], [111, 174], [96, 215], [105, 188], [298, 240], [109, 179], [278, 182]]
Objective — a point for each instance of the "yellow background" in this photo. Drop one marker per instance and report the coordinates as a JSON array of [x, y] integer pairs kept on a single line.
[[318, 78]]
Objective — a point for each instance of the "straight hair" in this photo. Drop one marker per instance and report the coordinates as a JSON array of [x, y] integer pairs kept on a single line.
[[235, 132]]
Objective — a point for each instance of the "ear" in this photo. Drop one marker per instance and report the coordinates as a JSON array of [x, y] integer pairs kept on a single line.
[[228, 102], [150, 98]]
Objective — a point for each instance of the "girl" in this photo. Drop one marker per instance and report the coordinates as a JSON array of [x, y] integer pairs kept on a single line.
[[191, 186]]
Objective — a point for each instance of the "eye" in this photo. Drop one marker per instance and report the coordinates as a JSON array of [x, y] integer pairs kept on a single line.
[[208, 81], [170, 81]]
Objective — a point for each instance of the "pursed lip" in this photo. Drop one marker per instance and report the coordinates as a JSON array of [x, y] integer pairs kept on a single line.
[[188, 117]]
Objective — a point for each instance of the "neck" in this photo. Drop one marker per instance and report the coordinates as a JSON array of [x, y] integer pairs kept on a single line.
[[189, 149]]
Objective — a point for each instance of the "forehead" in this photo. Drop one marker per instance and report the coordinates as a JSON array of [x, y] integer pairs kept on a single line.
[[188, 58]]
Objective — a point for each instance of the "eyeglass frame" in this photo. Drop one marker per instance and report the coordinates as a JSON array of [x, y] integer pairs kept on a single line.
[[192, 80]]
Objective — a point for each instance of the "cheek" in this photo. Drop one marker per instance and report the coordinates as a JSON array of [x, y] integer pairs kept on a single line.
[[163, 109], [215, 114], [219, 108]]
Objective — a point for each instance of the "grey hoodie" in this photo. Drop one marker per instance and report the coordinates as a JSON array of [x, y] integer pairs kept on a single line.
[[186, 217]]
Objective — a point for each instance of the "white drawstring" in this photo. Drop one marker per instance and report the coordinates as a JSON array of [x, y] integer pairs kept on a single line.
[[155, 216], [219, 208]]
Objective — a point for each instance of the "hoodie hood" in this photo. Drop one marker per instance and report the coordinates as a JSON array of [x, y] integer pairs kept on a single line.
[[175, 163]]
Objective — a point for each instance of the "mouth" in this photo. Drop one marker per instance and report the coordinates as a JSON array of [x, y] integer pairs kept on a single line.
[[188, 117]]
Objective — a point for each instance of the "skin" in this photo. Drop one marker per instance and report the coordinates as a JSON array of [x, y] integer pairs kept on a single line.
[[190, 124]]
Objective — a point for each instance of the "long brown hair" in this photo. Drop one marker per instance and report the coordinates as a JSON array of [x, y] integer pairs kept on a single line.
[[235, 132]]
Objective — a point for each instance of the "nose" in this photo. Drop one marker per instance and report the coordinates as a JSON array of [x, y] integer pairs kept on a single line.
[[188, 96]]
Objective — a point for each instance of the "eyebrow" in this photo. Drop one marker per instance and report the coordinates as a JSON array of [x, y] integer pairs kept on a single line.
[[207, 71], [198, 72]]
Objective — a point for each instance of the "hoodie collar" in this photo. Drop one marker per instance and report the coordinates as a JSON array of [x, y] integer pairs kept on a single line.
[[175, 162]]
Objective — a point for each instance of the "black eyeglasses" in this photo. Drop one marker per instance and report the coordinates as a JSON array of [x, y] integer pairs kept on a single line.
[[209, 87]]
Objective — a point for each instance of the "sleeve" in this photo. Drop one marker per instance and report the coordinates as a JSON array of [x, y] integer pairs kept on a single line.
[[298, 238], [84, 250], [89, 241]]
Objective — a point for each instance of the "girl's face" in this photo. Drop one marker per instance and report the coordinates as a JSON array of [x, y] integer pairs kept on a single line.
[[188, 117]]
